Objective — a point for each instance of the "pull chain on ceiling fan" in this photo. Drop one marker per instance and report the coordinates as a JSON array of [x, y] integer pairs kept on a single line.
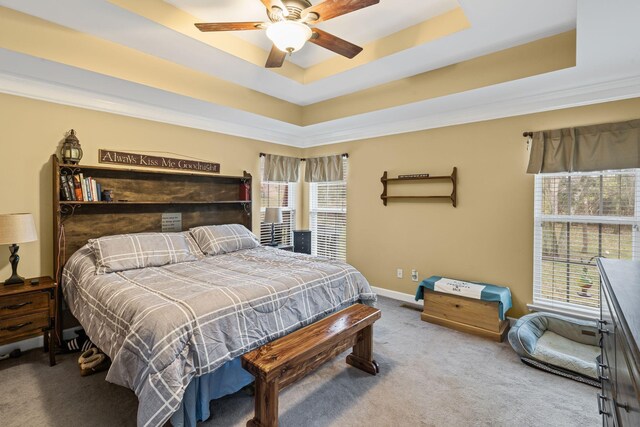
[[290, 26]]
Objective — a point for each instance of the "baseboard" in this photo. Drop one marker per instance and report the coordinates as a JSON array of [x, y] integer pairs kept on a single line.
[[400, 296], [35, 342]]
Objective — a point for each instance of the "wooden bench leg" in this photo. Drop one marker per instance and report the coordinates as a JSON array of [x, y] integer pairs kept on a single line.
[[362, 355], [266, 405]]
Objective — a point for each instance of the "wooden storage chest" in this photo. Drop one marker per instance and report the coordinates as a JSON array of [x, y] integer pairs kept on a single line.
[[464, 314]]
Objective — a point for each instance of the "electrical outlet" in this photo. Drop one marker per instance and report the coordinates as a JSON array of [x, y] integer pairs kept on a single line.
[[399, 273], [414, 275]]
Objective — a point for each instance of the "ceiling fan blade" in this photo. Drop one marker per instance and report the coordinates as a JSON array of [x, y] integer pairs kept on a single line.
[[230, 26], [276, 3], [276, 58], [332, 8], [334, 44]]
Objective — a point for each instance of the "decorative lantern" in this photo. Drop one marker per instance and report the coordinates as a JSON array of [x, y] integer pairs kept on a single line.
[[71, 152]]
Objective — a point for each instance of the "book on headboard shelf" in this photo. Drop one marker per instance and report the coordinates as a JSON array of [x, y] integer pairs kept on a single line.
[[77, 185], [77, 188], [65, 192]]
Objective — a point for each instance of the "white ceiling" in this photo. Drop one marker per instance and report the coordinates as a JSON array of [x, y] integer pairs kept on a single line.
[[360, 27], [608, 68]]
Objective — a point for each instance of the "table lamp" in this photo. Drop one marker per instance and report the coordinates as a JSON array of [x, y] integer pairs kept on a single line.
[[273, 216], [16, 228]]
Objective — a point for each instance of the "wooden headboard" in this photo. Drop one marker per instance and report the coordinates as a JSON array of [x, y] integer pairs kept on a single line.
[[140, 198]]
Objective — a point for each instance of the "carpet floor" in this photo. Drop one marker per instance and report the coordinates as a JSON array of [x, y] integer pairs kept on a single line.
[[430, 376]]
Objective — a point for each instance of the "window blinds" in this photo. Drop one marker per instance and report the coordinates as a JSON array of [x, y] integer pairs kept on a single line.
[[578, 217], [278, 195], [328, 217]]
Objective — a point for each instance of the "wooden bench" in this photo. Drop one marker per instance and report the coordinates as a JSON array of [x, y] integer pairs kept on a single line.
[[287, 359]]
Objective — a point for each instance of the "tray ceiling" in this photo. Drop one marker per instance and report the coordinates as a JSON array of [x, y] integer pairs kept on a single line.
[[144, 58]]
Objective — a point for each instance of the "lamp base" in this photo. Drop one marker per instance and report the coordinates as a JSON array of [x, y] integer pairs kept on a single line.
[[14, 280], [273, 235], [14, 259]]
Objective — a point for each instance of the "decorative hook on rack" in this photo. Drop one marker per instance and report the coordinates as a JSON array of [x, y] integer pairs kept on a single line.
[[247, 208], [67, 170], [67, 211]]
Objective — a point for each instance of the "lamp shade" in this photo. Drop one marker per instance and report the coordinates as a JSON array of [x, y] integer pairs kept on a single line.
[[273, 216], [289, 36], [17, 228]]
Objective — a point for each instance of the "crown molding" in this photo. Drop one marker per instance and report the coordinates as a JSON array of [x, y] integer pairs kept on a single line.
[[528, 96], [25, 76], [29, 77], [65, 95]]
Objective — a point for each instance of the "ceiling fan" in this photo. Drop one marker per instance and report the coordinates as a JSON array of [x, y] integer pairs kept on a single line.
[[289, 26]]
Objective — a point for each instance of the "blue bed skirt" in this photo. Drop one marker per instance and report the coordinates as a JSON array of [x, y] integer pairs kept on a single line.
[[227, 379]]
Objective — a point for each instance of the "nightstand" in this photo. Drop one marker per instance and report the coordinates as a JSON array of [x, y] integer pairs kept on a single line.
[[27, 310], [302, 241]]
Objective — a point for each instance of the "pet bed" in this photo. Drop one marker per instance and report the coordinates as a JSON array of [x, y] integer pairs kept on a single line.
[[558, 344]]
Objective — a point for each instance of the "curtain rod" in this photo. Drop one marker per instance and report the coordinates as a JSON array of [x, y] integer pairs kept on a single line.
[[303, 160], [528, 134]]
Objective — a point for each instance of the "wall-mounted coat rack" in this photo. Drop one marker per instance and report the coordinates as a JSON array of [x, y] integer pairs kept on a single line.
[[385, 181]]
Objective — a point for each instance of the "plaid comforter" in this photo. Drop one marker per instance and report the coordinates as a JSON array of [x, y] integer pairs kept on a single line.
[[163, 326]]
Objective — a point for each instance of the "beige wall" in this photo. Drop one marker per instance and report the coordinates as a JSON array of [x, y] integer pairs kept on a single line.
[[32, 130], [489, 236]]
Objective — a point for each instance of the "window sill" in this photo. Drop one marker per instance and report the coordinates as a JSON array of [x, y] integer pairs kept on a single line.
[[576, 312]]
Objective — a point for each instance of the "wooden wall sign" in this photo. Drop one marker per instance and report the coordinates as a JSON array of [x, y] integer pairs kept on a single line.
[[131, 159]]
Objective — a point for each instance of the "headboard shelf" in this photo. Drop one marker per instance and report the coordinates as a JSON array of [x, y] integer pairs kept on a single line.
[[140, 198]]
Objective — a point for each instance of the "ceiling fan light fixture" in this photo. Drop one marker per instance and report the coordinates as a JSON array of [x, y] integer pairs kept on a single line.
[[289, 36]]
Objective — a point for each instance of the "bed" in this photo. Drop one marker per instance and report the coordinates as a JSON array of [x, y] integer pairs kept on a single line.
[[164, 326], [175, 332]]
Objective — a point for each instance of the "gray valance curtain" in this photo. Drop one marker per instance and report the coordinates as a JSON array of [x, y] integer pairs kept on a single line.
[[323, 169], [586, 148], [280, 168]]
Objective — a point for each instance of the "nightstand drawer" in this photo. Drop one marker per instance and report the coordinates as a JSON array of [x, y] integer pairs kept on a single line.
[[21, 325], [17, 305]]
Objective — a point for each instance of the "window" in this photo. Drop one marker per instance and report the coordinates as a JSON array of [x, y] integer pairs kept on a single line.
[[578, 217], [278, 195], [328, 217]]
